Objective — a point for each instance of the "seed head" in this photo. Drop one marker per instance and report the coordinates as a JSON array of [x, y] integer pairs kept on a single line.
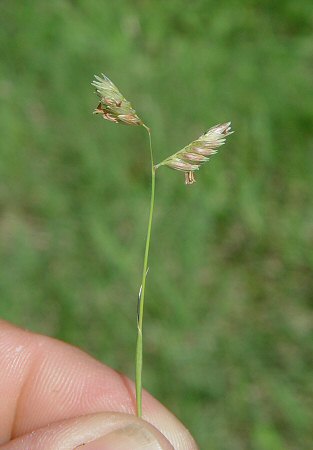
[[190, 158], [113, 106]]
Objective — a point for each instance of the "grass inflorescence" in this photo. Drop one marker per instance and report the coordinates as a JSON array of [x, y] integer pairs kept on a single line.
[[115, 108]]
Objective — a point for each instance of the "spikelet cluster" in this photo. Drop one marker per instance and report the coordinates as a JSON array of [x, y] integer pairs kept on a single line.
[[190, 158], [113, 106]]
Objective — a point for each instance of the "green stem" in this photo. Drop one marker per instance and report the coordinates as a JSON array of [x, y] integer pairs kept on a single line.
[[141, 299]]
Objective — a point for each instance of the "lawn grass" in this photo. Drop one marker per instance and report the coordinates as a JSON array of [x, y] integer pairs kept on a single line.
[[228, 320]]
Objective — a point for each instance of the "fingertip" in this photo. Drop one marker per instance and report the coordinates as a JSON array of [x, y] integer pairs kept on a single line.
[[47, 381], [116, 431]]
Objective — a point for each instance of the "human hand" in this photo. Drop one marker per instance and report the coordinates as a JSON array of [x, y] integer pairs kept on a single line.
[[55, 397]]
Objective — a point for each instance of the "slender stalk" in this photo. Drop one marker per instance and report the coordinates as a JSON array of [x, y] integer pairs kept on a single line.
[[141, 298]]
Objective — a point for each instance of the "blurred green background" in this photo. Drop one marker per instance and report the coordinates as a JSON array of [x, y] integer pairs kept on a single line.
[[228, 320]]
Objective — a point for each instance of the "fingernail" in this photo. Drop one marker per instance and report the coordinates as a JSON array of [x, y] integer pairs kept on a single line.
[[132, 437]]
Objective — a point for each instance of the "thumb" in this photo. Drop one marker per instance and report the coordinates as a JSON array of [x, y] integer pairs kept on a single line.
[[102, 431]]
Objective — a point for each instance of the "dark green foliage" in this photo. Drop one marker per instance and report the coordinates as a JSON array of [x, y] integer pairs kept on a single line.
[[228, 324]]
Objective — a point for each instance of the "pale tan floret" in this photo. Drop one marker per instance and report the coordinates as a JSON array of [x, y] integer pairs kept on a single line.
[[190, 158]]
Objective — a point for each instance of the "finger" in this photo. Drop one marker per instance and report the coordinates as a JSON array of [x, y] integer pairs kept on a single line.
[[44, 381], [105, 431]]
